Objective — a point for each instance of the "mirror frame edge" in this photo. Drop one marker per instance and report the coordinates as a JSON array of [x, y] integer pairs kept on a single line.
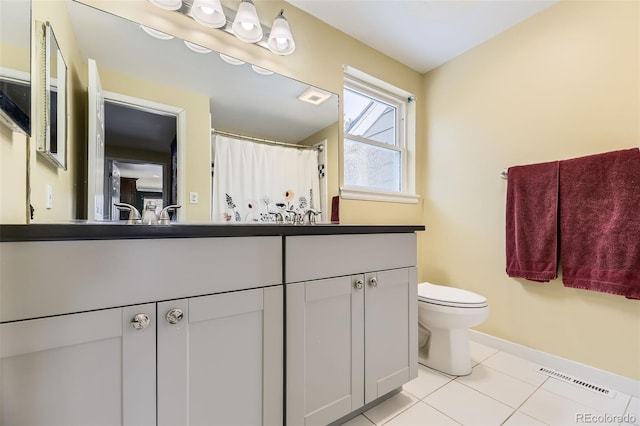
[[40, 93]]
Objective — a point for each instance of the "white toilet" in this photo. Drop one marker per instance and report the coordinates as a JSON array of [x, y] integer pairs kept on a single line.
[[444, 315]]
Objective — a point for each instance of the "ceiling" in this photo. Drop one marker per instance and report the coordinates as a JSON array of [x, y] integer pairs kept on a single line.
[[421, 34]]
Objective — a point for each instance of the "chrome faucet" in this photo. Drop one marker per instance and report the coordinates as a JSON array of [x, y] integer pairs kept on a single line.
[[277, 216], [149, 217], [310, 216], [164, 218], [134, 214]]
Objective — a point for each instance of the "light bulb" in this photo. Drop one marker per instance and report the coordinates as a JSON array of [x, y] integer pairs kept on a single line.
[[281, 42], [247, 25], [206, 10]]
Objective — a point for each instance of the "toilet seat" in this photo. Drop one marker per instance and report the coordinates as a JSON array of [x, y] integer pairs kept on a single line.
[[449, 296]]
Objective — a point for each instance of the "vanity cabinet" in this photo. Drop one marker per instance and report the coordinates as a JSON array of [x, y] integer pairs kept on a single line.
[[351, 337], [219, 362], [213, 358]]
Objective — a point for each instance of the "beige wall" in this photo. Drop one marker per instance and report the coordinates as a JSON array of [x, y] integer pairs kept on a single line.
[[13, 150], [13, 178], [66, 184], [563, 84]]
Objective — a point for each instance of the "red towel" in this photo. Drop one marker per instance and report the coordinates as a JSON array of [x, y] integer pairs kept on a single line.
[[532, 225], [600, 222], [335, 209]]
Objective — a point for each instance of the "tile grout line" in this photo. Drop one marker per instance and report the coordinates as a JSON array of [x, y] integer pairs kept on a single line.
[[395, 415], [517, 378], [527, 399], [434, 391], [480, 392], [441, 412]]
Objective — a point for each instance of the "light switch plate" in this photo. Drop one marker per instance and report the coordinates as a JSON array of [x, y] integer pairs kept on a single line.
[[193, 198], [49, 200]]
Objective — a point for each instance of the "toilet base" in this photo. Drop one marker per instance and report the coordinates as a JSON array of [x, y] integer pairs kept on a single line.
[[447, 350]]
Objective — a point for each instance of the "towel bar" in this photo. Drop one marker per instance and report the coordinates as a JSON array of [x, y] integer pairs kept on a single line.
[[504, 173]]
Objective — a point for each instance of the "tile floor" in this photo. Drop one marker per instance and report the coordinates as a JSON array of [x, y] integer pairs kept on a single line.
[[501, 390]]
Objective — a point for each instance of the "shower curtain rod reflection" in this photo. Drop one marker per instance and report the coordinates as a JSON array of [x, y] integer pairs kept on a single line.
[[267, 141]]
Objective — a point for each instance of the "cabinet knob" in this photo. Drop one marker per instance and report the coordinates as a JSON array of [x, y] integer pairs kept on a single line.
[[373, 282], [174, 316], [140, 321], [359, 284]]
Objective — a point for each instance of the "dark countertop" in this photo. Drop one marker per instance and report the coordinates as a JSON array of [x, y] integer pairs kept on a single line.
[[117, 231]]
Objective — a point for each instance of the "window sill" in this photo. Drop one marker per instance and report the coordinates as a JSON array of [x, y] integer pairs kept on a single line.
[[351, 193]]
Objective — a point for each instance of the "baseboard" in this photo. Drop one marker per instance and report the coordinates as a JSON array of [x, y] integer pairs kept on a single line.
[[583, 371]]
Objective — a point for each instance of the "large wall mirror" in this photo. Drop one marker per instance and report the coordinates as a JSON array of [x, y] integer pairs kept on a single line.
[[149, 137], [15, 65]]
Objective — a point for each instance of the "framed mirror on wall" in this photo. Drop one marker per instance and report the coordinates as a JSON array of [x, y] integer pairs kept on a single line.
[[15, 65], [51, 96]]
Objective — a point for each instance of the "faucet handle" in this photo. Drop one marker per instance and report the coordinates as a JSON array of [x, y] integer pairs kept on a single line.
[[310, 216], [164, 218], [134, 214]]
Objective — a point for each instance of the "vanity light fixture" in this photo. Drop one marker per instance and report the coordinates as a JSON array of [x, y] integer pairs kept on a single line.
[[208, 13], [167, 4], [261, 71], [231, 60], [280, 39], [196, 47], [314, 96], [155, 33], [244, 23]]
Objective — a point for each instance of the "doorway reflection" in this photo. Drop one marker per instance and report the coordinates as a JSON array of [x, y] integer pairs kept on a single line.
[[140, 158]]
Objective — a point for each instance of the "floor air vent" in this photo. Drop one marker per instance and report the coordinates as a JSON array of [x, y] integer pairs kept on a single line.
[[601, 390]]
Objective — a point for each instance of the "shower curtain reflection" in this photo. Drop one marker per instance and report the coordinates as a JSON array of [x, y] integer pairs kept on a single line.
[[259, 183]]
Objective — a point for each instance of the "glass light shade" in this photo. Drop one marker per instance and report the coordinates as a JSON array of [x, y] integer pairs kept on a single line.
[[280, 39], [261, 71], [208, 13], [167, 4], [231, 60], [246, 25], [155, 33], [196, 47]]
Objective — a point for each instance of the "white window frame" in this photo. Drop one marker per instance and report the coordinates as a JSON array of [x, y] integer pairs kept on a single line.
[[405, 138]]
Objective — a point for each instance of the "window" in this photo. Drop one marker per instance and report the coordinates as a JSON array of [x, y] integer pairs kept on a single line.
[[376, 151]]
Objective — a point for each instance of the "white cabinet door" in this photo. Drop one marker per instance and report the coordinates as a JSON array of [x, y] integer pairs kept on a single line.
[[221, 364], [350, 340], [390, 331], [325, 349], [88, 368]]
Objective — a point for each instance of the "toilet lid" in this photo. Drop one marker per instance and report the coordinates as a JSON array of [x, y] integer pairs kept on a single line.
[[449, 296]]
